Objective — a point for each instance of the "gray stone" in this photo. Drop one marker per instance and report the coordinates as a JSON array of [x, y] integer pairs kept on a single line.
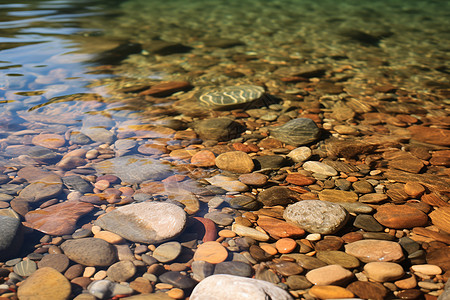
[[25, 268], [269, 162], [178, 280], [229, 287], [42, 189], [316, 216], [202, 269], [237, 268], [356, 207], [11, 234], [220, 218], [296, 132], [80, 138], [100, 135], [167, 252], [145, 222], [43, 154], [367, 223], [121, 271], [77, 183], [134, 168], [90, 251]]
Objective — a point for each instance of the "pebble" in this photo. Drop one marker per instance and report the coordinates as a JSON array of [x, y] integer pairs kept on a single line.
[[229, 287], [218, 129], [319, 168], [375, 250], [237, 268], [338, 196], [167, 252], [59, 262], [11, 233], [141, 285], [278, 195], [256, 179], [367, 223], [285, 245], [145, 222], [25, 268], [330, 292], [110, 237], [316, 216], [400, 216], [368, 290], [227, 183], [45, 283], [296, 132], [329, 275], [204, 158], [427, 269], [407, 283], [250, 232], [235, 161], [211, 252], [373, 198], [121, 271], [49, 140], [300, 154], [381, 271], [58, 219], [278, 228], [333, 257], [202, 269], [46, 187], [414, 189], [298, 282], [299, 179], [177, 280], [229, 97], [90, 251]]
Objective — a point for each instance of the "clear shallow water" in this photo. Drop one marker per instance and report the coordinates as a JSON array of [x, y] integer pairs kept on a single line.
[[56, 56]]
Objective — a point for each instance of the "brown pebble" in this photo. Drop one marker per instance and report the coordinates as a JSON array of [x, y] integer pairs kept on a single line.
[[176, 293]]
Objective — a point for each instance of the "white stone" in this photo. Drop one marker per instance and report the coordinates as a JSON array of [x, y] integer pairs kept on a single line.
[[427, 269], [300, 154], [250, 232], [319, 168], [229, 287]]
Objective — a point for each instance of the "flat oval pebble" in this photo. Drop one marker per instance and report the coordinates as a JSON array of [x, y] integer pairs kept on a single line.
[[330, 292], [25, 268], [110, 237], [146, 222], [121, 271], [375, 250], [300, 154], [167, 252], [44, 284], [338, 196], [250, 232], [90, 251], [230, 96], [229, 287], [368, 290], [285, 245], [237, 268], [334, 257], [279, 228], [256, 179], [204, 158], [59, 262], [211, 252], [235, 161], [316, 216], [296, 132], [383, 271], [49, 140], [177, 280], [329, 275], [400, 216], [319, 168], [427, 269]]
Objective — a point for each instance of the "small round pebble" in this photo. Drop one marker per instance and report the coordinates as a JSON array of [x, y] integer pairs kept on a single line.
[[212, 252], [285, 245]]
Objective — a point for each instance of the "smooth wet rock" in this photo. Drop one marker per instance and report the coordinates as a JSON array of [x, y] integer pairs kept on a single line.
[[202, 269], [90, 251], [11, 233], [435, 136], [299, 179], [334, 257], [178, 280], [77, 183], [145, 222], [204, 158], [338, 196], [58, 219], [167, 252], [250, 232], [256, 179], [367, 223], [278, 228], [236, 268], [298, 282], [121, 271], [219, 129], [319, 168], [375, 250], [332, 274], [230, 97], [381, 271], [305, 261], [300, 154], [400, 216], [59, 262], [235, 161], [229, 287], [316, 216], [41, 189], [211, 252], [44, 284], [227, 183], [330, 292], [49, 140], [296, 132], [368, 290], [25, 268], [278, 195], [244, 203], [134, 168]]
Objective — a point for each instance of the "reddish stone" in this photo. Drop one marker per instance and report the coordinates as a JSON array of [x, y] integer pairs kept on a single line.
[[256, 179], [435, 136], [166, 89], [329, 243], [152, 149], [400, 216], [204, 158], [352, 237], [441, 218], [59, 219], [247, 148], [270, 143], [299, 179], [207, 229], [368, 290], [49, 140], [278, 228], [414, 189], [441, 237], [434, 200]]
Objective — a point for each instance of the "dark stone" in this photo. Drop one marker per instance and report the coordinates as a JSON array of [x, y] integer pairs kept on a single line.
[[178, 280], [11, 236], [259, 254], [245, 203], [77, 183], [269, 162], [219, 129], [278, 195], [44, 155], [237, 268], [296, 132], [367, 223]]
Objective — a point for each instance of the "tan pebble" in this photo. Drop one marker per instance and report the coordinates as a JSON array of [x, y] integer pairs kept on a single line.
[[269, 249], [383, 271], [407, 283], [163, 286], [151, 247], [243, 221], [427, 269], [91, 154], [57, 240], [430, 285], [212, 252], [329, 275], [88, 271], [110, 237], [226, 233], [285, 245], [176, 293], [100, 275], [330, 292], [102, 184], [96, 229], [313, 237], [414, 189]]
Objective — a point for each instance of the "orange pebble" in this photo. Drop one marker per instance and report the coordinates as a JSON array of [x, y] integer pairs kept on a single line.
[[285, 245], [352, 179], [226, 233], [269, 249]]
